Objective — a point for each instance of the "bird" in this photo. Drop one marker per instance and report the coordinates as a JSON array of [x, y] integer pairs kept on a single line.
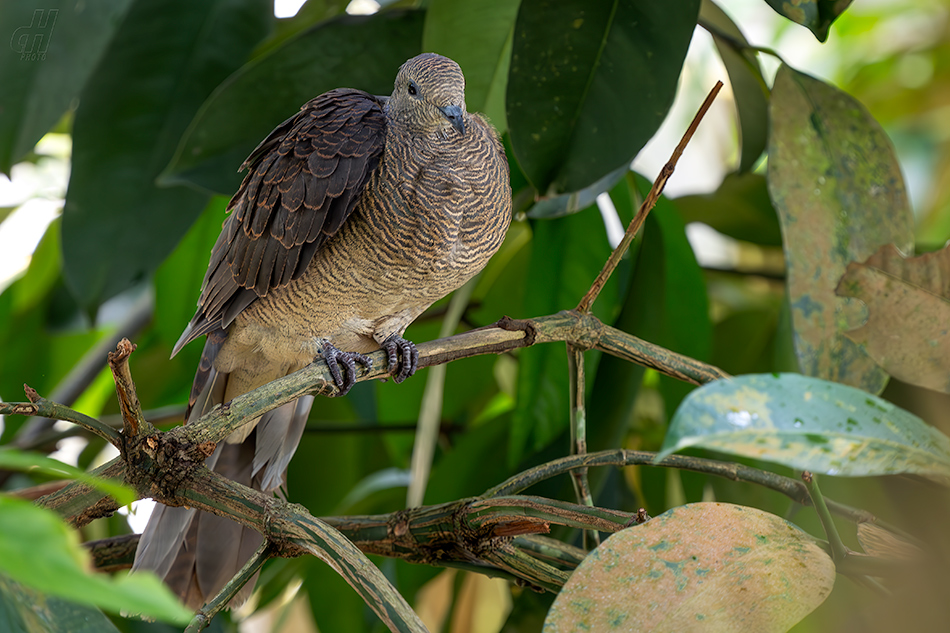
[[355, 215]]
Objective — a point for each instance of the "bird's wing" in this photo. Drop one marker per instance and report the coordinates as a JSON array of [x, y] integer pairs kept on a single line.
[[303, 181]]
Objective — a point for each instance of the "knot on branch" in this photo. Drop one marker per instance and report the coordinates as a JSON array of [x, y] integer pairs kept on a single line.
[[587, 330], [160, 463], [441, 533], [518, 325]]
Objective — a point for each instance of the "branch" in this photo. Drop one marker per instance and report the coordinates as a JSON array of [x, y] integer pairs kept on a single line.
[[584, 331], [79, 504], [792, 488], [133, 421], [38, 406], [588, 300]]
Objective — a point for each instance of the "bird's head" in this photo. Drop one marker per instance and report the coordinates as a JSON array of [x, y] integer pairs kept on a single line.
[[429, 95]]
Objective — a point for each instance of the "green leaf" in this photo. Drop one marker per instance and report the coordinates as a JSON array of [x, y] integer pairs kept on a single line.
[[43, 272], [309, 15], [178, 280], [12, 459], [809, 424], [163, 62], [361, 52], [837, 186], [676, 315], [573, 202], [739, 208], [56, 45], [816, 15], [567, 253], [59, 566], [616, 385], [748, 86], [477, 35], [590, 83], [24, 610], [711, 567], [744, 341]]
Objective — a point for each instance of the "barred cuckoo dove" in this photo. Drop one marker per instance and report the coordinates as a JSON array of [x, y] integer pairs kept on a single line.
[[356, 214]]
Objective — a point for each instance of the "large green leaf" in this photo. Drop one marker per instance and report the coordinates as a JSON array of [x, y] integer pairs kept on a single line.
[[477, 35], [40, 332], [566, 203], [58, 565], [808, 424], [668, 292], [56, 44], [163, 62], [711, 567], [837, 186], [25, 610], [617, 383], [816, 15], [178, 280], [748, 86], [352, 51], [11, 459], [566, 255], [590, 83]]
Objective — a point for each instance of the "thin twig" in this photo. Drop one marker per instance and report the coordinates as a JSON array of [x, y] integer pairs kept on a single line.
[[791, 488], [588, 300], [38, 406], [34, 431], [204, 616], [576, 378]]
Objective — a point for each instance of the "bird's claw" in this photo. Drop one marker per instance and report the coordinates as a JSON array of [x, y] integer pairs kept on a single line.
[[336, 358], [410, 357]]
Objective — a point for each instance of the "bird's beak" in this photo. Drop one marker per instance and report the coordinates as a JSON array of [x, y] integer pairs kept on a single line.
[[455, 116]]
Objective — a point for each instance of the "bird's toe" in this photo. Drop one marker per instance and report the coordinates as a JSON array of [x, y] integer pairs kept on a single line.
[[396, 346], [338, 360]]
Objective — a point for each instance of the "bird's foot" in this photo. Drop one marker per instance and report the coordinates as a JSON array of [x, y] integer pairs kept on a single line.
[[410, 357], [337, 359]]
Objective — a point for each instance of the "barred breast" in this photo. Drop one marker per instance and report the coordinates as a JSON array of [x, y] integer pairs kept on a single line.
[[429, 219]]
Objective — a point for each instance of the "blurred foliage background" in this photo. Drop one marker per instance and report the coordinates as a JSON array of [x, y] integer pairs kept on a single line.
[[122, 148]]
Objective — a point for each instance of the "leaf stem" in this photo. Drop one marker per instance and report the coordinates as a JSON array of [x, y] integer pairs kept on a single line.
[[839, 551]]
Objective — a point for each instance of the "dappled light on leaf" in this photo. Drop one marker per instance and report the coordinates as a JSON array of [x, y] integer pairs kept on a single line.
[[701, 567], [808, 424], [837, 186], [908, 304]]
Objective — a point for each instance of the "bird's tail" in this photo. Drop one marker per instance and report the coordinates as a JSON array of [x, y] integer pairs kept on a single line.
[[196, 553]]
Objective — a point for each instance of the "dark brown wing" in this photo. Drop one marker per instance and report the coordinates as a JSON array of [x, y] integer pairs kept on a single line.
[[303, 181]]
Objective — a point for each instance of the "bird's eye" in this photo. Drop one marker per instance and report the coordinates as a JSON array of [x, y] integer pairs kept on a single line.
[[412, 89]]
